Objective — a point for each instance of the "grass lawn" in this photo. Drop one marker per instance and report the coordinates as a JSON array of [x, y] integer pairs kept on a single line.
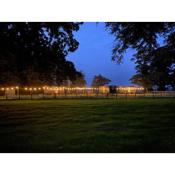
[[101, 125]]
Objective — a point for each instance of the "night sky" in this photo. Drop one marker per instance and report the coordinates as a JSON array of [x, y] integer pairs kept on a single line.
[[93, 56]]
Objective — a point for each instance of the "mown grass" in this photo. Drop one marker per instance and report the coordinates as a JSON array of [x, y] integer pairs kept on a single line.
[[102, 125]]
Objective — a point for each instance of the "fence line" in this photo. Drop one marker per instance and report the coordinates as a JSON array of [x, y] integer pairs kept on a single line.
[[83, 94]]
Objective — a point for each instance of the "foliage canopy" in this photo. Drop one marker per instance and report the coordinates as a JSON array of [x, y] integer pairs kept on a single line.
[[35, 53], [154, 48]]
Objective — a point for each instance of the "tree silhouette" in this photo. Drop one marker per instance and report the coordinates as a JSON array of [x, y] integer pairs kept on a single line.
[[139, 36], [156, 68], [35, 53], [79, 81], [142, 80], [154, 62], [100, 80]]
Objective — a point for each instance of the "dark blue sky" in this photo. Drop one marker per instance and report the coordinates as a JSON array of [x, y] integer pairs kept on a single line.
[[93, 56]]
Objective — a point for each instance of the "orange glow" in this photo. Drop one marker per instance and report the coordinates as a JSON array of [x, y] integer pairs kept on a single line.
[[60, 88]]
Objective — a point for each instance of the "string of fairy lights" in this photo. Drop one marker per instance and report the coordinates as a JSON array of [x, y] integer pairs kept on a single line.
[[57, 88], [46, 88]]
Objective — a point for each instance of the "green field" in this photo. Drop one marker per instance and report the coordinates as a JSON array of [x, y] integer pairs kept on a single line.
[[106, 125]]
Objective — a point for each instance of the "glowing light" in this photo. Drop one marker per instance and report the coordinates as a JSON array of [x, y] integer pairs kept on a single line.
[[58, 89]]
